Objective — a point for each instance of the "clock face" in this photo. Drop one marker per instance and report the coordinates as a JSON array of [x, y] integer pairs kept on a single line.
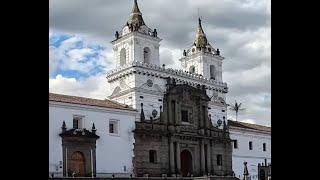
[[149, 83]]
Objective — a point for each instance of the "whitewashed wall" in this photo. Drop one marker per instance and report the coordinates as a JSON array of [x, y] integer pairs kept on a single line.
[[112, 153], [252, 157]]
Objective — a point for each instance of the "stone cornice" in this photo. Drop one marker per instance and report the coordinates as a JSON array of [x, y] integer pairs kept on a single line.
[[137, 34], [135, 90], [192, 56], [91, 108], [158, 71], [248, 132]]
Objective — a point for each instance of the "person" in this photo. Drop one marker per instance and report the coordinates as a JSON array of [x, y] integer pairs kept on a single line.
[[52, 175]]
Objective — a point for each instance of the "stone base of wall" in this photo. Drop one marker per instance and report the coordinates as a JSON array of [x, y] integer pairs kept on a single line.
[[160, 178]]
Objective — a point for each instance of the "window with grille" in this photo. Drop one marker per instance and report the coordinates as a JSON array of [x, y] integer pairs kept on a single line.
[[235, 144], [77, 121], [114, 127], [152, 156], [219, 160]]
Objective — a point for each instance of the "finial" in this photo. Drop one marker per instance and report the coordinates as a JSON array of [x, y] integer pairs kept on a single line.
[[245, 171], [117, 35], [142, 117], [218, 52], [93, 129], [63, 126]]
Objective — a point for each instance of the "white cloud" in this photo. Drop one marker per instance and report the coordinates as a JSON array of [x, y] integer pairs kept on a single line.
[[70, 56], [240, 29], [92, 87]]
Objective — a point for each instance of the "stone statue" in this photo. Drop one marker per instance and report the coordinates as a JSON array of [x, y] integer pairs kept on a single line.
[[218, 52], [155, 34], [117, 35], [184, 52]]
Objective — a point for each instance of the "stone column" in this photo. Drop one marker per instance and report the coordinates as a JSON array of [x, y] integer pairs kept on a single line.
[[66, 162], [206, 119], [169, 112], [202, 157], [176, 114], [171, 157], [209, 157], [178, 158]]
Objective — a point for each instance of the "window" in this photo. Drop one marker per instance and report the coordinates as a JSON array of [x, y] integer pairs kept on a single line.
[[250, 145], [114, 127], [192, 69], [212, 72], [235, 144], [219, 160], [122, 57], [146, 55], [152, 156], [264, 147], [184, 116], [77, 121]]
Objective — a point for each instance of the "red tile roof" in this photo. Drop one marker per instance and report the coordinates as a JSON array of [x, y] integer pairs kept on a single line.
[[88, 101], [248, 126]]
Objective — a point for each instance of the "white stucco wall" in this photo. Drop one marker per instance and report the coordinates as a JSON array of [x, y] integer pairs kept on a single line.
[[112, 152], [252, 157]]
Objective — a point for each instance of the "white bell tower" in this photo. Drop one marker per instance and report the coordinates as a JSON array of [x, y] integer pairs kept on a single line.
[[202, 58], [136, 46], [136, 42]]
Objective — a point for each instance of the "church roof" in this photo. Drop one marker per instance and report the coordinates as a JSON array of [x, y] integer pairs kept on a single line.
[[136, 16], [200, 39], [248, 126], [88, 101]]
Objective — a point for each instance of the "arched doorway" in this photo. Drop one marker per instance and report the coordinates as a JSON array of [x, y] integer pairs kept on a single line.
[[186, 163], [78, 163]]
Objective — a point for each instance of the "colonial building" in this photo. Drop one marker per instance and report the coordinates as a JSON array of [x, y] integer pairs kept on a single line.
[[251, 144], [89, 137]]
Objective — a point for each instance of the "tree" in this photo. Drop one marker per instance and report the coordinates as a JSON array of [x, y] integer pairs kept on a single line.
[[236, 107]]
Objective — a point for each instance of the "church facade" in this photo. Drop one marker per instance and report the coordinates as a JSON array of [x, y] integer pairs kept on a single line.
[[182, 141]]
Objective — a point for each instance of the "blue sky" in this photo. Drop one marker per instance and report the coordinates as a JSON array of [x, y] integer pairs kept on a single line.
[[74, 57]]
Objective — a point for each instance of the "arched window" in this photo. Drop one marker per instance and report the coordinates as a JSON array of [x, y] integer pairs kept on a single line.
[[146, 55], [122, 57], [212, 72], [192, 69]]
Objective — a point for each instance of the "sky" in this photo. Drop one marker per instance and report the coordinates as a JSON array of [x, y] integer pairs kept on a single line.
[[80, 52]]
